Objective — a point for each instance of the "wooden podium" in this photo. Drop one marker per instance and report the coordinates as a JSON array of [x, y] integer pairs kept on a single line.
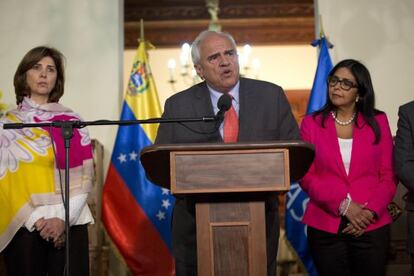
[[229, 183]]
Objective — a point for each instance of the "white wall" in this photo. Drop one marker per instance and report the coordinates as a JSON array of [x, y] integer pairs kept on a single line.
[[89, 33], [380, 34]]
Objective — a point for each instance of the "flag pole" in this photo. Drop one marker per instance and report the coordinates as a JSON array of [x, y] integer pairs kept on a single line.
[[321, 31], [141, 23], [316, 15]]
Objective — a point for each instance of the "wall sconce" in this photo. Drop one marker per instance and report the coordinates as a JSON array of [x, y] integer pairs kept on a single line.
[[187, 72], [256, 67], [244, 62], [171, 69]]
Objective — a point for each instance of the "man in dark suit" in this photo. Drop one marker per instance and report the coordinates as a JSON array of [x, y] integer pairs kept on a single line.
[[404, 166], [263, 114]]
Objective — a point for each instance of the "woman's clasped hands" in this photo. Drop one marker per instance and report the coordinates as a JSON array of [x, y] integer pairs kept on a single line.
[[52, 230], [359, 219]]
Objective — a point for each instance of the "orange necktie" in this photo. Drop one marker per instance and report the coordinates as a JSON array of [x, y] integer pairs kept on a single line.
[[231, 126]]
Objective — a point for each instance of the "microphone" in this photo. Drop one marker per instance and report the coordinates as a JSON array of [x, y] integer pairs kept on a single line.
[[13, 126], [223, 104]]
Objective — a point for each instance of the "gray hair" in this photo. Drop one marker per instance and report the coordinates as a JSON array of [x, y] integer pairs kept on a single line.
[[195, 47]]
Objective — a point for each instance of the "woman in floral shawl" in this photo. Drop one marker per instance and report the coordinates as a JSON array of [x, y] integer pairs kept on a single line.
[[32, 220]]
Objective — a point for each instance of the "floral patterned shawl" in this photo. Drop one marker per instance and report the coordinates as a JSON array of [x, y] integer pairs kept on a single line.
[[29, 172]]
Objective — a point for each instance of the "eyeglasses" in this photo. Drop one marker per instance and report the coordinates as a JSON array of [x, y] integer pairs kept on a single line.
[[345, 84]]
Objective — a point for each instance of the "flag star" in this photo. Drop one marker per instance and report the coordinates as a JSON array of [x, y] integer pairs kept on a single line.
[[165, 191], [160, 215], [122, 158], [166, 203], [133, 156]]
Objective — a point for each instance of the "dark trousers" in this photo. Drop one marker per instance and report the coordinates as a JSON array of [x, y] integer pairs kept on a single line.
[[345, 255], [410, 237], [29, 254], [185, 240], [412, 264]]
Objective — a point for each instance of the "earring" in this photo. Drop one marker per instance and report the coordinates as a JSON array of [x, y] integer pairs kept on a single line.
[[357, 99]]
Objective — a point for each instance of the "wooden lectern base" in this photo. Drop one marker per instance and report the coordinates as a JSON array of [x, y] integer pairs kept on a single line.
[[231, 238], [229, 183]]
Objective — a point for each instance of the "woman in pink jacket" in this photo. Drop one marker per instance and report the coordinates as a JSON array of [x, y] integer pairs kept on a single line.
[[351, 180]]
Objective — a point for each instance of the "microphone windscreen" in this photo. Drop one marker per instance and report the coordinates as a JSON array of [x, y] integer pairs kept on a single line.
[[224, 102]]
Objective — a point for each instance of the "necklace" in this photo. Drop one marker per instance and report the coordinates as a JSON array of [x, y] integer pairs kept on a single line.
[[342, 123]]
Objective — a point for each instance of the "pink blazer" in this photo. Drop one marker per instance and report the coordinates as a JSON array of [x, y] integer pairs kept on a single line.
[[371, 180]]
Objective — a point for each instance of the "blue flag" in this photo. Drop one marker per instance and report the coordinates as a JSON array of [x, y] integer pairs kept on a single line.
[[297, 199], [318, 93]]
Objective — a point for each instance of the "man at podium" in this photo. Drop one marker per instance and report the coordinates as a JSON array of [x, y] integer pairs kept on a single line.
[[259, 112]]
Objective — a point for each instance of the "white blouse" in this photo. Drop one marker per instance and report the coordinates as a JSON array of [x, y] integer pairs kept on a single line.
[[79, 212], [345, 146]]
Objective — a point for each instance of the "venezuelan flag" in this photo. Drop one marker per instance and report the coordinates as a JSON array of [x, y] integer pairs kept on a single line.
[[136, 212]]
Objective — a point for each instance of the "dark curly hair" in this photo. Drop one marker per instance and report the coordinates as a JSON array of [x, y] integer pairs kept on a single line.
[[21, 88]]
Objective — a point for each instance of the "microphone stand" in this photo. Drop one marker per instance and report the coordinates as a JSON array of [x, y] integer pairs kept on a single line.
[[67, 134]]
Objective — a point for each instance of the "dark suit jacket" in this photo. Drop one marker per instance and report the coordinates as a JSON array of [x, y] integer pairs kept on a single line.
[[264, 115], [404, 150], [404, 161]]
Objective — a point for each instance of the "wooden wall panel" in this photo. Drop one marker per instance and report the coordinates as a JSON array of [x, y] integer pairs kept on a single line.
[[169, 23], [298, 100]]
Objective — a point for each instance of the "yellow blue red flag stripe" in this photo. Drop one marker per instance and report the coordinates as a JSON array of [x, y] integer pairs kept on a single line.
[[136, 212]]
